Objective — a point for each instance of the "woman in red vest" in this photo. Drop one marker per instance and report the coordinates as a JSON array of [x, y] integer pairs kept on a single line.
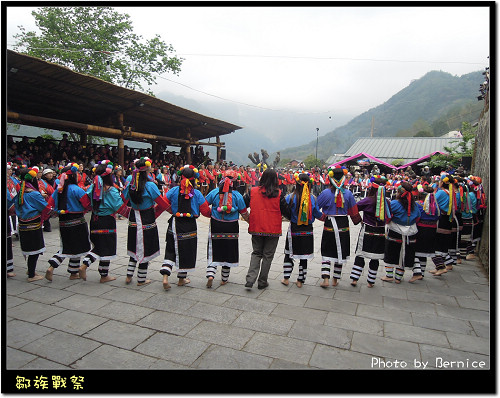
[[267, 206]]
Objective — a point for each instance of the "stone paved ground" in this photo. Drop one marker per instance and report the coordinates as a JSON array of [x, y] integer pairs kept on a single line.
[[87, 325]]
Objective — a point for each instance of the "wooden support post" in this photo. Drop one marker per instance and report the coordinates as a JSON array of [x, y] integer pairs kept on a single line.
[[121, 152], [217, 140], [83, 139], [188, 148], [121, 144]]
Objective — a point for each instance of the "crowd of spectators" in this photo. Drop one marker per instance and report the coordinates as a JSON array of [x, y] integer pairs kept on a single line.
[[49, 153]]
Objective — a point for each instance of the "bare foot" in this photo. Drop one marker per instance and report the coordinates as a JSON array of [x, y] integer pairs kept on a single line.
[[298, 283], [223, 282], [166, 285], [49, 273], [11, 274], [146, 282], [183, 281], [285, 282], [105, 279], [72, 277], [449, 267], [35, 278], [440, 272], [387, 279], [209, 281], [335, 282], [83, 272], [128, 280], [354, 282], [415, 278], [326, 282], [370, 284]]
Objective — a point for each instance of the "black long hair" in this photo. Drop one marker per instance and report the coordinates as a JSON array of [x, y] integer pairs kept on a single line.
[[107, 181], [405, 186], [62, 200], [136, 195], [297, 193], [372, 191], [269, 181]]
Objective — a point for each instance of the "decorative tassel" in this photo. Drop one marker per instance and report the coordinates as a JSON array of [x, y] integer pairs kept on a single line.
[[379, 210], [305, 206]]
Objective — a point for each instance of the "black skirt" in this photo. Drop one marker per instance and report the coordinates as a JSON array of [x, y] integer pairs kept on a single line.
[[31, 236], [103, 236], [74, 232], [444, 240], [223, 247], [395, 243], [468, 228], [299, 244], [182, 243], [371, 242], [336, 247], [426, 239], [143, 243]]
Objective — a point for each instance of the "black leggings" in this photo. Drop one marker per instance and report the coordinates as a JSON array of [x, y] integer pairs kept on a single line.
[[32, 260]]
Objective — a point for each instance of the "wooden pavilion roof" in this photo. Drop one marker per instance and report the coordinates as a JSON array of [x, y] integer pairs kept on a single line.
[[44, 90]]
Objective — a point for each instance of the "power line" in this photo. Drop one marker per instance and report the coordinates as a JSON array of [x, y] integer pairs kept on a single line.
[[242, 103], [330, 58]]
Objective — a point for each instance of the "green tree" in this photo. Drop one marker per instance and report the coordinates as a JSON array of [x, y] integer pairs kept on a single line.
[[311, 162], [100, 42], [423, 133], [461, 148]]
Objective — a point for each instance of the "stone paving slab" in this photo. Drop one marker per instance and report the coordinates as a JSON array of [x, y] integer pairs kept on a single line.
[[88, 325]]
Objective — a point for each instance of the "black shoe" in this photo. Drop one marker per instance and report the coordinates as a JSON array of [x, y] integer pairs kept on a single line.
[[249, 284], [263, 286]]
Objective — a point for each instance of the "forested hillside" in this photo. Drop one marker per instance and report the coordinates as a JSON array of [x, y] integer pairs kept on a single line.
[[430, 106]]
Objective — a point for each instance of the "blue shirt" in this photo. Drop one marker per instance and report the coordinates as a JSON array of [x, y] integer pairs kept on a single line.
[[196, 201], [424, 216], [237, 204], [316, 213], [443, 200], [149, 195], [73, 204], [473, 206], [400, 213], [33, 205], [326, 202], [111, 201]]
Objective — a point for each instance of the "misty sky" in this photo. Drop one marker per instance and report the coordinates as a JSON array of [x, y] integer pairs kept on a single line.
[[307, 59]]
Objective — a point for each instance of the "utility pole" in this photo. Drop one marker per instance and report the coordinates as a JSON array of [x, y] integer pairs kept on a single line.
[[317, 132]]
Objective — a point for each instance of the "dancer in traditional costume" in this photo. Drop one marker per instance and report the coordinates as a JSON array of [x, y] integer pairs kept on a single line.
[[446, 200], [469, 210], [182, 237], [427, 225], [400, 240], [32, 210], [299, 244], [371, 241], [337, 203], [223, 235], [106, 201], [143, 243], [71, 202], [480, 213], [11, 197]]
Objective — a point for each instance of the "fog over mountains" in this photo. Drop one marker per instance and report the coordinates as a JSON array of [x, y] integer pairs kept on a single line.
[[261, 129], [436, 97]]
